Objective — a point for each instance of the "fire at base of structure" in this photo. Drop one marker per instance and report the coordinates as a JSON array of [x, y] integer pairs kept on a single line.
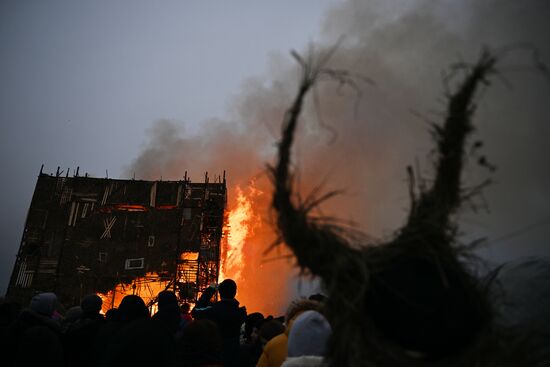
[[116, 237]]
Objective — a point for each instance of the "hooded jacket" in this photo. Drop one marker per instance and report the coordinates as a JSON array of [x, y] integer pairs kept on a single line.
[[35, 336], [307, 340]]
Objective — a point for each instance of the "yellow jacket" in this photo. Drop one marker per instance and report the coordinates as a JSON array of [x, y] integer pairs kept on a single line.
[[275, 352]]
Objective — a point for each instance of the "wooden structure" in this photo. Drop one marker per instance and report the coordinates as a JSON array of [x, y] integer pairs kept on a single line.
[[99, 235]]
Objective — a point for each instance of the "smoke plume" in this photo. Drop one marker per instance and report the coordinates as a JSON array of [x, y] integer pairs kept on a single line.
[[361, 140]]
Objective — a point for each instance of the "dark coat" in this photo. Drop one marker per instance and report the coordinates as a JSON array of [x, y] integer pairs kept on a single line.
[[140, 343], [229, 317], [34, 340], [79, 340]]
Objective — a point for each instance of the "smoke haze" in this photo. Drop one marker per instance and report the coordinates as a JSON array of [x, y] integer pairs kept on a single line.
[[373, 135]]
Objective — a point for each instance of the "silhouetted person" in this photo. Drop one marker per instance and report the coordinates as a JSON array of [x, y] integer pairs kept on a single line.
[[112, 315], [269, 330], [35, 337], [200, 345], [227, 315], [252, 326], [276, 350], [141, 342], [131, 308], [168, 315], [251, 347], [72, 315], [81, 333]]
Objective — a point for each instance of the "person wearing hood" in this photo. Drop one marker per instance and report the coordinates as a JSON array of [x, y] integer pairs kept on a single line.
[[138, 340], [132, 308], [168, 316], [276, 350], [227, 314], [307, 340], [35, 335]]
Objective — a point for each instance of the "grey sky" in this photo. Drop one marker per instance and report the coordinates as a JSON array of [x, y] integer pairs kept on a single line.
[[81, 81], [85, 83]]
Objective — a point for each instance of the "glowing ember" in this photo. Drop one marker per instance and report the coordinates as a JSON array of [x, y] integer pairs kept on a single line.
[[123, 207], [241, 223], [166, 207], [131, 208]]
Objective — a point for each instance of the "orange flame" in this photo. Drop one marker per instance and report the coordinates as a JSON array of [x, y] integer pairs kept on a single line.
[[264, 272], [147, 287], [241, 223], [243, 259]]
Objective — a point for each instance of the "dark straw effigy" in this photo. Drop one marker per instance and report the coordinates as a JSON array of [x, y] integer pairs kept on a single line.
[[413, 301]]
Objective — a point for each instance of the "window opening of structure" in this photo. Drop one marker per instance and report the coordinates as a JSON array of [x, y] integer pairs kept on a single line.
[[134, 263]]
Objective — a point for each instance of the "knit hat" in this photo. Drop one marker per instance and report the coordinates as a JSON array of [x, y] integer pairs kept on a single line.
[[309, 335], [44, 303]]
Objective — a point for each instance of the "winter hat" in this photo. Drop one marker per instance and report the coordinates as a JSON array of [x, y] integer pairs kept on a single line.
[[91, 304], [309, 335], [44, 303]]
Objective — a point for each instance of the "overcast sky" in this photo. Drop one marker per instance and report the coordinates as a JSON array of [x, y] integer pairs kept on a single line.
[[85, 83], [82, 81]]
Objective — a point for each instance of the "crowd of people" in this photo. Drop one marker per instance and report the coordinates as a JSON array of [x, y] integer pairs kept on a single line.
[[217, 331]]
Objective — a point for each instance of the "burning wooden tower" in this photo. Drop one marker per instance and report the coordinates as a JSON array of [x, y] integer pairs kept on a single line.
[[116, 237]]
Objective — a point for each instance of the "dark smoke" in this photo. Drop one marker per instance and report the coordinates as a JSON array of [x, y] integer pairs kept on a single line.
[[403, 46]]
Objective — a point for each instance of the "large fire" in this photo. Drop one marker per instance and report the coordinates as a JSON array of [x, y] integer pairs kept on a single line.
[[241, 223], [262, 276], [262, 282]]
